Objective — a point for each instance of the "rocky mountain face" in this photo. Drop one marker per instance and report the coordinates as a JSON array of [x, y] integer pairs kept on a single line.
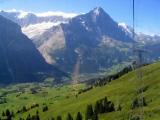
[[20, 61], [94, 39]]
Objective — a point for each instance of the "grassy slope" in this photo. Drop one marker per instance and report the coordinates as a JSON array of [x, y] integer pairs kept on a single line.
[[121, 91]]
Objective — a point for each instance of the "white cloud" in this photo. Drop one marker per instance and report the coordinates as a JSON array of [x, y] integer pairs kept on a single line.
[[57, 13], [23, 13]]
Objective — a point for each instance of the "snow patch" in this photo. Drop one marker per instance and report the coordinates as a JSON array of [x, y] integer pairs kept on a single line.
[[38, 29], [97, 11], [122, 24], [125, 27], [84, 25]]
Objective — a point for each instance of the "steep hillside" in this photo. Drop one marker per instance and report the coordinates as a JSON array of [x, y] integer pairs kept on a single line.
[[20, 61], [62, 100]]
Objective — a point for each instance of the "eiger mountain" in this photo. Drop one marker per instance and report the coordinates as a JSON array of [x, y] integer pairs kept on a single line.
[[20, 61], [94, 39]]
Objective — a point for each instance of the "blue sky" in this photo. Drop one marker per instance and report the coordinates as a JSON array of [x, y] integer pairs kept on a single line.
[[147, 11]]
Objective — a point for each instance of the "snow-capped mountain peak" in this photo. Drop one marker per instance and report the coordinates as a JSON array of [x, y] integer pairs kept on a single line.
[[97, 11]]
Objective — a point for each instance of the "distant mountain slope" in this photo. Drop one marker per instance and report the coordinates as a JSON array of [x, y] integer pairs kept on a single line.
[[20, 60], [33, 24], [96, 40]]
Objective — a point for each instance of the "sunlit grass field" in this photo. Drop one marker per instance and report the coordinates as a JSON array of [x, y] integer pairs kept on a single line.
[[62, 99]]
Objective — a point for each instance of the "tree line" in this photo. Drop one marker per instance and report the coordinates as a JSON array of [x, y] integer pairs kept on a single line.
[[92, 112]]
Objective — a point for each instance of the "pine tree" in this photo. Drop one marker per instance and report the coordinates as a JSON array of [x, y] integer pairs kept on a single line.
[[95, 116], [37, 112], [12, 114], [79, 116], [69, 117], [105, 104], [3, 114], [28, 117], [101, 107], [97, 107], [37, 117], [52, 118], [89, 112], [24, 109], [59, 118], [45, 108], [119, 108], [111, 107], [8, 113], [105, 100]]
